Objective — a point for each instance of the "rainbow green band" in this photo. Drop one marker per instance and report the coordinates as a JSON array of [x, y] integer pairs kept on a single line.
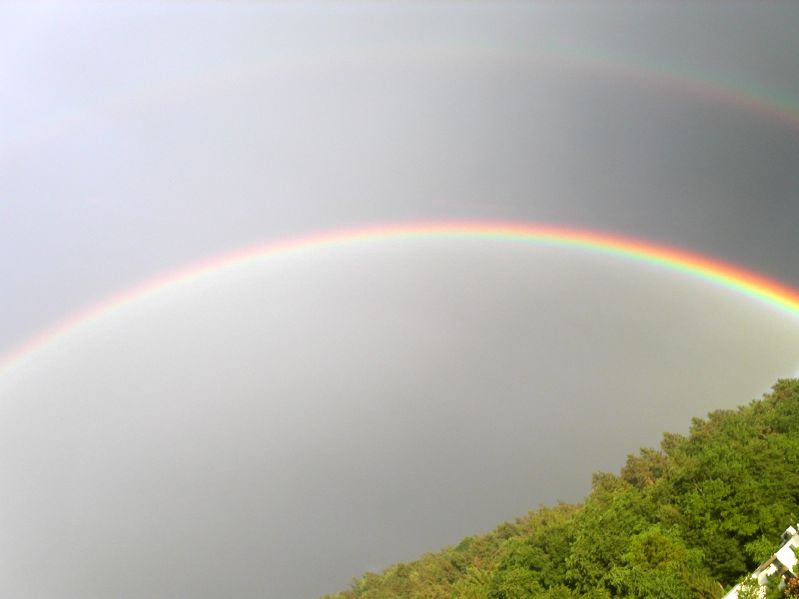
[[736, 279]]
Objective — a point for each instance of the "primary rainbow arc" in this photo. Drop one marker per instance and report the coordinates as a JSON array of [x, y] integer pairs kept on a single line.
[[736, 279]]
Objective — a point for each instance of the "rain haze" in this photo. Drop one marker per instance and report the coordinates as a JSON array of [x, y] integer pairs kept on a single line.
[[274, 427]]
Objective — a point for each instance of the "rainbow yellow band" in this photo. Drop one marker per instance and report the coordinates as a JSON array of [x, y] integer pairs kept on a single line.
[[726, 275]]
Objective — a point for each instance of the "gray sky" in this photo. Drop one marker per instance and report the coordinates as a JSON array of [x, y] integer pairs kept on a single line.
[[277, 428]]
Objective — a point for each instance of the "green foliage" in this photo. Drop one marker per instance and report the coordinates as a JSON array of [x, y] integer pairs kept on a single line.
[[658, 564], [682, 521], [748, 588], [773, 590], [533, 560]]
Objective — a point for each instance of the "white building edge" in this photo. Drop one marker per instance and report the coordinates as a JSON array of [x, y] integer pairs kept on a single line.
[[781, 563]]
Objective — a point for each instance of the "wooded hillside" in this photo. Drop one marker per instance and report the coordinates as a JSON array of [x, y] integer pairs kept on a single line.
[[683, 521]]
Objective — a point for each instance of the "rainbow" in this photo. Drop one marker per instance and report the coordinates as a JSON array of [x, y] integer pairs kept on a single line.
[[760, 102], [738, 280]]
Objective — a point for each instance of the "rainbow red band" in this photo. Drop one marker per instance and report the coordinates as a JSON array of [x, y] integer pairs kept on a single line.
[[726, 275]]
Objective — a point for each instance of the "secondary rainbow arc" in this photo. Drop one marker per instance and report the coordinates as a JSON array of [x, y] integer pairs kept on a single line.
[[744, 282], [779, 108]]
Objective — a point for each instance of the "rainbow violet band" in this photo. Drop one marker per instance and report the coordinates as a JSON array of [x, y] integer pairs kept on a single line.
[[704, 268]]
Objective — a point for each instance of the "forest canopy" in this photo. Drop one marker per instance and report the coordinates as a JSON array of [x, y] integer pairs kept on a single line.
[[686, 520]]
